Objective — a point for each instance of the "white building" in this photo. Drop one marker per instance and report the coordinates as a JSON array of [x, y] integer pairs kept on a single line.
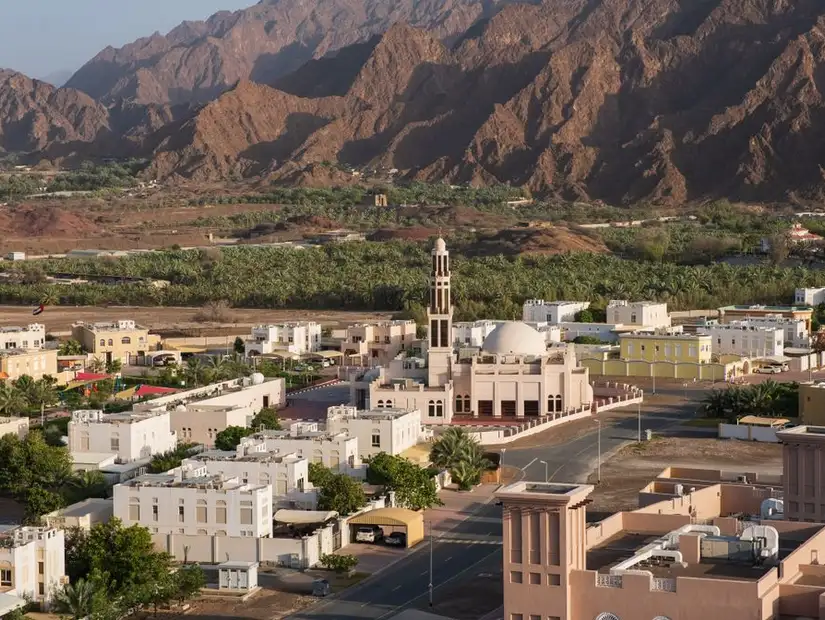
[[369, 344], [379, 430], [795, 331], [552, 332], [129, 436], [809, 296], [297, 338], [740, 338], [472, 334], [638, 313], [540, 311], [606, 332], [32, 566], [513, 375], [198, 415], [188, 500], [32, 336], [288, 474], [338, 451]]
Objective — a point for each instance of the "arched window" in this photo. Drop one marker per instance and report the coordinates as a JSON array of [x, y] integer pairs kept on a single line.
[[380, 404], [111, 342], [559, 406], [102, 342], [126, 340], [607, 616], [439, 409], [264, 478], [467, 406], [388, 404], [431, 409], [459, 404]]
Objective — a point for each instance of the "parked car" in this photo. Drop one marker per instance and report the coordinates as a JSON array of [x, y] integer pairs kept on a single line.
[[369, 534], [396, 539], [771, 369]]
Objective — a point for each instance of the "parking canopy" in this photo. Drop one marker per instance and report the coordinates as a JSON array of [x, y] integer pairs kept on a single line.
[[411, 520], [303, 517]]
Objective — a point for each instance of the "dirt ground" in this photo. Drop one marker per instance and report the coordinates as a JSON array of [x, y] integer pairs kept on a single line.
[[60, 318], [633, 467]]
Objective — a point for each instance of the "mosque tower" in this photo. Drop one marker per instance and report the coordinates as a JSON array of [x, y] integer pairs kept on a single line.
[[440, 317]]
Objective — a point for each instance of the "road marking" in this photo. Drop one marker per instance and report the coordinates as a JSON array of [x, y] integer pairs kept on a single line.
[[448, 559], [426, 572], [530, 463], [396, 588]]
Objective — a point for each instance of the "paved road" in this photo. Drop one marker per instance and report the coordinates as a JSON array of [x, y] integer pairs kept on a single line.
[[575, 460], [313, 404], [473, 547]]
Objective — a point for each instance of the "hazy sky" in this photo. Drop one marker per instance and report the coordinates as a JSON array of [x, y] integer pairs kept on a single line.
[[38, 37]]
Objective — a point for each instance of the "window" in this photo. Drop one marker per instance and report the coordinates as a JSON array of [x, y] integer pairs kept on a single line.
[[246, 516], [459, 404], [200, 511], [111, 342], [115, 443], [376, 438], [431, 409], [5, 577], [809, 508], [126, 340], [535, 579], [181, 514], [516, 577], [84, 442], [516, 616], [134, 512], [380, 404], [535, 617], [102, 342], [220, 512], [40, 568], [439, 409], [553, 580], [467, 407], [154, 513], [41, 588]]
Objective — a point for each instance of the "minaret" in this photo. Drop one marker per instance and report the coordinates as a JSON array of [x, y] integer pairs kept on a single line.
[[440, 316]]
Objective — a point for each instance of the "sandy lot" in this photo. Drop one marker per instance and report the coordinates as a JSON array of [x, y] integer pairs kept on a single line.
[[60, 318], [626, 472]]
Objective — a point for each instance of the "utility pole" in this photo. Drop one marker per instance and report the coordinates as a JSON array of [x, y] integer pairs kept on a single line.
[[546, 471], [599, 473], [430, 586], [655, 350]]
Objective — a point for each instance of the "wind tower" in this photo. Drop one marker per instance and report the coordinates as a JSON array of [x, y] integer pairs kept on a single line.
[[440, 317]]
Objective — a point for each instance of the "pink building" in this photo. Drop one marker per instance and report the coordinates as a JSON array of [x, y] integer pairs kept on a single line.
[[804, 472], [700, 554]]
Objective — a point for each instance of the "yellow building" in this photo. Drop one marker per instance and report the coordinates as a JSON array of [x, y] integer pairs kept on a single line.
[[812, 403], [118, 340], [34, 362], [673, 348]]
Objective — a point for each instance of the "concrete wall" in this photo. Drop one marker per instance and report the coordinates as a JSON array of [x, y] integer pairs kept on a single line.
[[665, 370], [748, 432]]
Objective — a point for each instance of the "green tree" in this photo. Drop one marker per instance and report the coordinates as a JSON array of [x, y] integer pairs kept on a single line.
[[230, 437], [12, 401], [114, 366], [239, 346], [70, 347], [342, 494], [83, 599], [266, 418], [39, 501], [96, 365], [85, 484], [462, 455], [319, 475], [171, 459], [339, 563], [414, 486]]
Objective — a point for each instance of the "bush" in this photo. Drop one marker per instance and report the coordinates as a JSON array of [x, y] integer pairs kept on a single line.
[[339, 563]]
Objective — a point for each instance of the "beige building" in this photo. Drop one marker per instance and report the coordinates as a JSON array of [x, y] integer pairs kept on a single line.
[[728, 314], [379, 430], [665, 347], [513, 375], [372, 344], [118, 340], [129, 436], [702, 554], [19, 427], [338, 451], [83, 515], [648, 314], [198, 415], [36, 363]]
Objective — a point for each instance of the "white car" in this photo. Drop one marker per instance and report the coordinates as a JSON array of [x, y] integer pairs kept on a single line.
[[369, 534], [769, 370]]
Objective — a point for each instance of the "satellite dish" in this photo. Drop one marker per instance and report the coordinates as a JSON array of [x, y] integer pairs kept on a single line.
[[257, 378]]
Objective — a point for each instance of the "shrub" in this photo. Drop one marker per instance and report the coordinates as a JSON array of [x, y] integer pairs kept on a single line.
[[339, 563]]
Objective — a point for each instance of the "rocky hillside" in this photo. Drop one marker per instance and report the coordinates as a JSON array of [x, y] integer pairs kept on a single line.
[[624, 100], [197, 61]]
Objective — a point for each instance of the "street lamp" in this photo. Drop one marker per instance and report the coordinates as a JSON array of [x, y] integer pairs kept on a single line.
[[546, 472], [599, 471], [655, 351], [501, 462], [639, 417]]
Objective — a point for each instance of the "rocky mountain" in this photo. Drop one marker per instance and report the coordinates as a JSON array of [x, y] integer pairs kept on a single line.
[[57, 122], [197, 61], [623, 100]]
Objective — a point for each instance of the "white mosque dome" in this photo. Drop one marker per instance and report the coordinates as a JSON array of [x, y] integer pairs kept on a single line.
[[515, 338], [440, 245]]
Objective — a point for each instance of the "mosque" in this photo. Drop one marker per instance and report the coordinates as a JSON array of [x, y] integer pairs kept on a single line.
[[511, 376]]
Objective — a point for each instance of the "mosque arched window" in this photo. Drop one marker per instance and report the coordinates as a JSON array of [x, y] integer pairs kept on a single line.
[[431, 409]]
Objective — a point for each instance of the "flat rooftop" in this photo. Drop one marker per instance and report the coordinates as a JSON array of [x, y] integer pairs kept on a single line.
[[759, 308], [217, 482], [14, 329], [86, 507], [624, 545], [253, 457], [546, 488]]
